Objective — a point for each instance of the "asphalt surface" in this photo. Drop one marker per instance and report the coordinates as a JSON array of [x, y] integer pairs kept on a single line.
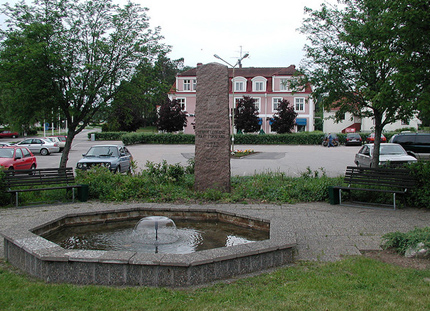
[[292, 160]]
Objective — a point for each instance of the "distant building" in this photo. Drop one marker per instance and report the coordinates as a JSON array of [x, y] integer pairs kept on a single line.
[[350, 124], [268, 86]]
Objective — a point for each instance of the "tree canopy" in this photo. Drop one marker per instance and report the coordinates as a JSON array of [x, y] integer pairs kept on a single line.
[[171, 117], [246, 115], [71, 56], [283, 120], [357, 61]]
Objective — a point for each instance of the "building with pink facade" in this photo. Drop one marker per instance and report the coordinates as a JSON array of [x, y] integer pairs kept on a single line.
[[268, 86]]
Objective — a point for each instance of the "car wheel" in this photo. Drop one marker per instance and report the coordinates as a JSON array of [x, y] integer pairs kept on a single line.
[[10, 168], [33, 167], [117, 169], [44, 152]]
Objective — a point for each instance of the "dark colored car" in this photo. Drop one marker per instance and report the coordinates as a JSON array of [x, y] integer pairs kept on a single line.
[[17, 158], [335, 140], [115, 157], [8, 134], [371, 138], [415, 144], [353, 139]]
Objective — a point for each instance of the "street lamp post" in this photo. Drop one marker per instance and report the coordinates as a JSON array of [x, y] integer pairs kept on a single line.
[[232, 88]]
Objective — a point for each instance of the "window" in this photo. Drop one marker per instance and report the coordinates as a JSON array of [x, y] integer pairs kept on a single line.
[[284, 85], [259, 84], [181, 101], [25, 153], [257, 102], [299, 104], [194, 84], [187, 85], [239, 84], [276, 102]]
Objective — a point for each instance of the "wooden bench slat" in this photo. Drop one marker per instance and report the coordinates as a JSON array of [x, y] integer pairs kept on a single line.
[[396, 181], [39, 179]]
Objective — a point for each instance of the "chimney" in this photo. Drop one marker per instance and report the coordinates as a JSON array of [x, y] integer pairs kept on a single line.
[[199, 64]]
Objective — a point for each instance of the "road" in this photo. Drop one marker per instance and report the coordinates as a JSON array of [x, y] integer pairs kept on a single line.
[[290, 159]]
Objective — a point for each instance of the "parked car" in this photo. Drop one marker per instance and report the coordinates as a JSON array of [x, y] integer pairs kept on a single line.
[[115, 157], [371, 138], [8, 134], [17, 158], [62, 139], [335, 140], [39, 145], [415, 144], [4, 144], [353, 139], [56, 141], [389, 155]]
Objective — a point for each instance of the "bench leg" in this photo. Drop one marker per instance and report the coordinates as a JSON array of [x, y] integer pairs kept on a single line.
[[16, 199], [394, 200], [73, 195], [340, 196]]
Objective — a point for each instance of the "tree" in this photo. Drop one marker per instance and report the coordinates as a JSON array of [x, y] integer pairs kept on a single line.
[[353, 63], [135, 103], [283, 120], [171, 117], [84, 50], [246, 115]]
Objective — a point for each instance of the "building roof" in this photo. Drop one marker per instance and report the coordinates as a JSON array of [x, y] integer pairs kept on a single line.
[[250, 72]]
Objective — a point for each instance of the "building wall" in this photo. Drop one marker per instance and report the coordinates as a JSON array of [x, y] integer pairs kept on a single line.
[[264, 89]]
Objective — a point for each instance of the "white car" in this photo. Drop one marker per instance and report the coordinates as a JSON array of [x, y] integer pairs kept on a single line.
[[57, 141], [389, 155], [39, 145]]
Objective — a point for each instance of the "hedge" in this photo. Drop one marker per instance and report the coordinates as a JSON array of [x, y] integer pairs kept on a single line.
[[302, 138]]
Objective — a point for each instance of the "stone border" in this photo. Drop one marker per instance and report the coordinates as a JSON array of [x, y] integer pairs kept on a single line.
[[28, 251]]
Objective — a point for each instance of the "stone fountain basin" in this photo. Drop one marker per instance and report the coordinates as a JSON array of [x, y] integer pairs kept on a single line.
[[28, 251]]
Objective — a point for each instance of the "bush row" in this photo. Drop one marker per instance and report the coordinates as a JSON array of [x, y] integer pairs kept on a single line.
[[303, 138]]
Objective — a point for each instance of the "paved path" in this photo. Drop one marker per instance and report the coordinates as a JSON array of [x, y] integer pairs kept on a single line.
[[323, 232]]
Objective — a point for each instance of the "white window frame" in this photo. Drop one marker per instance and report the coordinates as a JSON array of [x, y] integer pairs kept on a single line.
[[194, 85], [239, 81], [275, 102], [257, 103], [187, 84], [302, 102], [259, 84], [182, 101]]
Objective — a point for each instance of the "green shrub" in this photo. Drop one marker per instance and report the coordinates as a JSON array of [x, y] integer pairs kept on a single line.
[[401, 241], [4, 197], [107, 135], [420, 195], [168, 138]]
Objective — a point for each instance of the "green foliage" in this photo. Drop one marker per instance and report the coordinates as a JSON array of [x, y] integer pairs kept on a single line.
[[165, 182], [420, 195], [171, 117], [355, 63], [302, 138], [401, 241], [107, 135], [167, 138], [4, 197], [246, 115], [284, 118]]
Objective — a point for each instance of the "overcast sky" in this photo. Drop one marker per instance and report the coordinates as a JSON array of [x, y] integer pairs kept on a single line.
[[198, 29]]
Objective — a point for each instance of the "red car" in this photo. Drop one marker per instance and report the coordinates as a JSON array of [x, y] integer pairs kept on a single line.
[[371, 138], [17, 158], [8, 134]]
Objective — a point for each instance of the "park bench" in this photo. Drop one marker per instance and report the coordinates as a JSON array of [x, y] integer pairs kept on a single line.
[[386, 180], [17, 181]]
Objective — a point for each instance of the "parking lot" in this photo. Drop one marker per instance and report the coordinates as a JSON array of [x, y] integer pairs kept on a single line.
[[290, 159]]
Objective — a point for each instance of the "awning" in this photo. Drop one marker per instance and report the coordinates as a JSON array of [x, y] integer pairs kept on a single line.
[[301, 121]]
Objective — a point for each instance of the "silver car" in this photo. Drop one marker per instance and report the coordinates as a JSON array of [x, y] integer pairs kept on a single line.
[[40, 145], [116, 158], [389, 155]]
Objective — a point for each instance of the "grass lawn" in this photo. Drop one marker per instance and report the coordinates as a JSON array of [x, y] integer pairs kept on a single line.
[[355, 283]]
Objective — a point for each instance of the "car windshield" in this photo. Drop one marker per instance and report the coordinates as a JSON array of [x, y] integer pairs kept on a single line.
[[6, 153], [390, 149], [102, 151]]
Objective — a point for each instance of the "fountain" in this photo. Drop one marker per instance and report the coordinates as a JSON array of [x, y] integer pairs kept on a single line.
[[27, 248]]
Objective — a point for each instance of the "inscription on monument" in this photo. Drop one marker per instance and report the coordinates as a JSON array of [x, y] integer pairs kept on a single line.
[[212, 161]]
